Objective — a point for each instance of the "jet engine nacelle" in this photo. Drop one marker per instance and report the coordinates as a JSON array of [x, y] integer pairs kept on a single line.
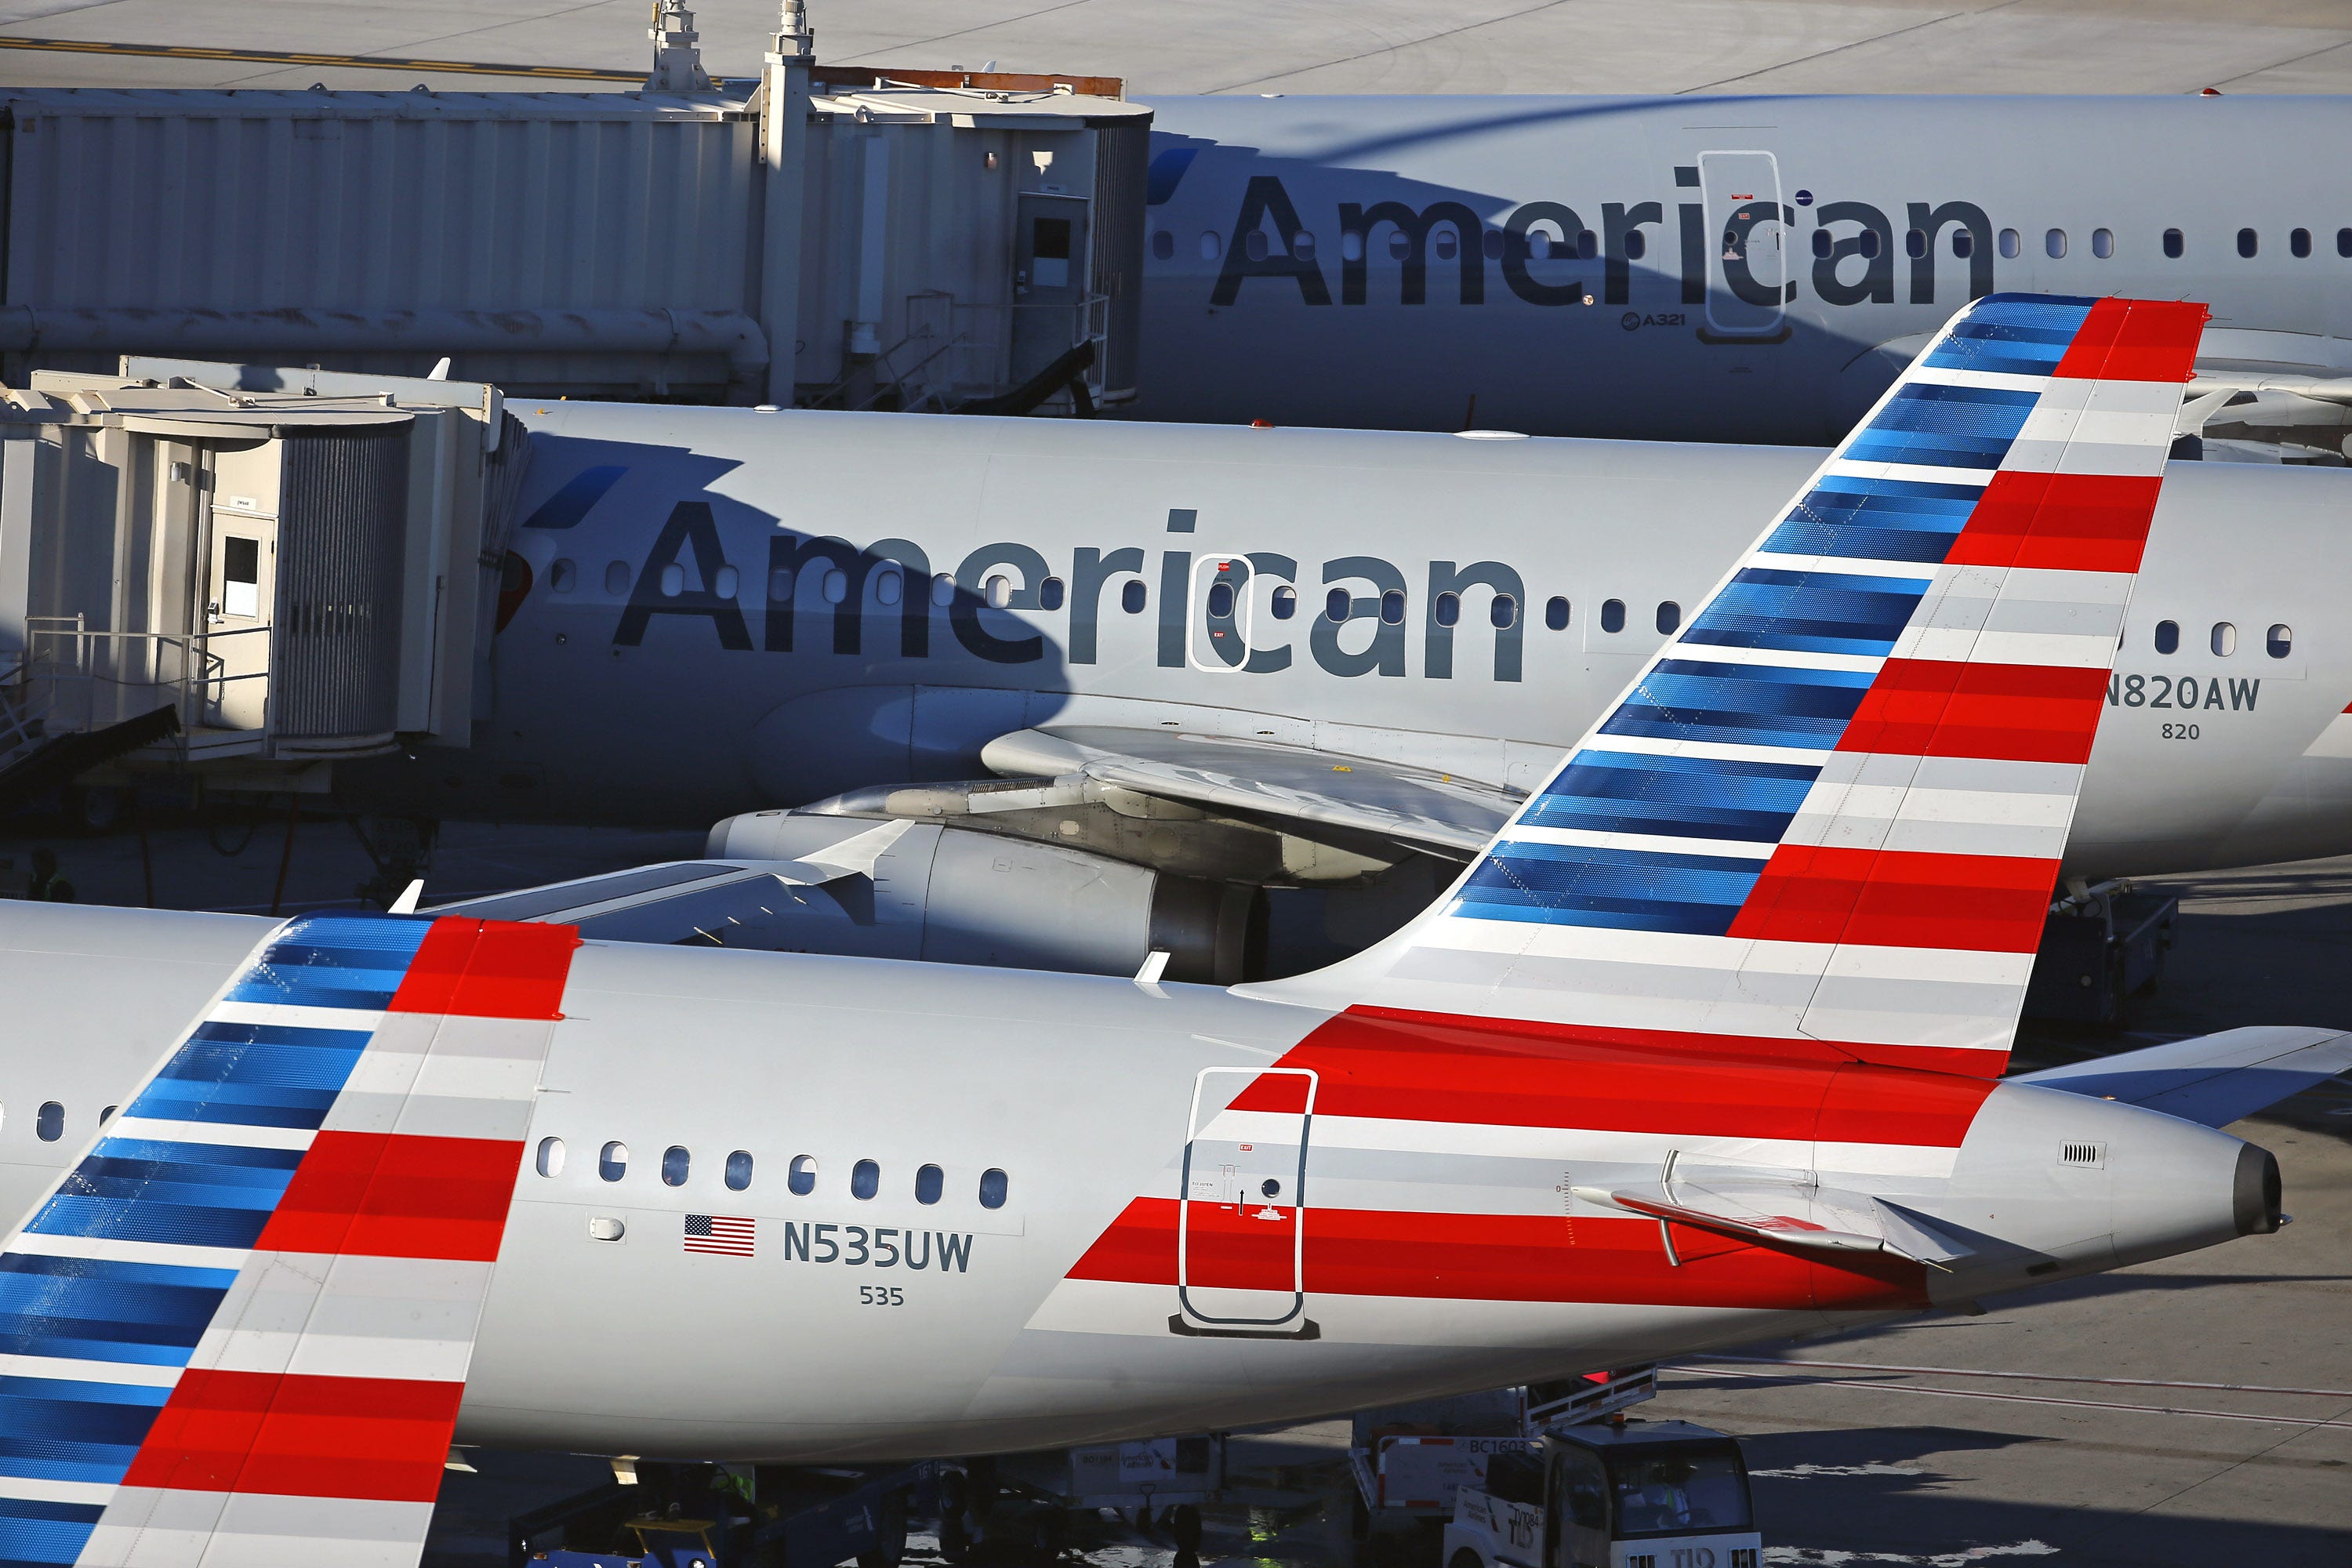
[[949, 895]]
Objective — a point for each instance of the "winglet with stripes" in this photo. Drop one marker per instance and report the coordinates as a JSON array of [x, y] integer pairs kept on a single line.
[[238, 1331], [1827, 817]]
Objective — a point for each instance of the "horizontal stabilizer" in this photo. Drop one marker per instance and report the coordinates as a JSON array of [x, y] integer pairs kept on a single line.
[[1426, 809], [1783, 1210], [2210, 1080]]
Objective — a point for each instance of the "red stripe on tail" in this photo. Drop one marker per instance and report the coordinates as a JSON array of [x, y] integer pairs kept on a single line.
[[2135, 339], [376, 1437], [2009, 712], [2066, 522], [1885, 897], [489, 969], [397, 1195]]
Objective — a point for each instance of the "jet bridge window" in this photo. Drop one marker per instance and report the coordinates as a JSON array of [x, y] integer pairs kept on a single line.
[[1556, 614], [991, 1189], [2102, 243], [2054, 243], [800, 1175], [613, 1162], [2174, 244], [49, 1122], [1613, 615], [1132, 598], [2249, 242], [2299, 242], [2225, 639], [865, 1179], [2281, 641], [2167, 636], [930, 1181], [676, 1162], [2012, 243], [550, 1156]]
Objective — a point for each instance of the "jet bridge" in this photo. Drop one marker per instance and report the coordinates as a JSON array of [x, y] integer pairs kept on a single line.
[[252, 572]]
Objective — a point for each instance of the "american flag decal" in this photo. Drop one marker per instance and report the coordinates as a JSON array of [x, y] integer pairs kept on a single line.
[[728, 1236]]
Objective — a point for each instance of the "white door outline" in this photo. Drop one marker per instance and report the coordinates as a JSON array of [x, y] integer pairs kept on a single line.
[[1194, 1127], [1725, 195], [1196, 616]]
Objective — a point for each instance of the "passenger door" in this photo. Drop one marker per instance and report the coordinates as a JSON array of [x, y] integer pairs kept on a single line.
[[240, 592], [1747, 229], [1240, 1221]]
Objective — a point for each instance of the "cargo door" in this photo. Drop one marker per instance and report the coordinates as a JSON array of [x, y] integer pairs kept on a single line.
[[1241, 1220], [1747, 230]]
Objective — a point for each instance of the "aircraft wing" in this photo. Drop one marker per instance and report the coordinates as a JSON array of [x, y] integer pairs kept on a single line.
[[1785, 1210], [1427, 810], [2212, 1079], [240, 1325]]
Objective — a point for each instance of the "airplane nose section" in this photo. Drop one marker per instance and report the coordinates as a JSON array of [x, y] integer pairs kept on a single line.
[[2258, 1190]]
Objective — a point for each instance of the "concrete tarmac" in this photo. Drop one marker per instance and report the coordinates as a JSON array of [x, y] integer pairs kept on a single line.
[[1252, 46]]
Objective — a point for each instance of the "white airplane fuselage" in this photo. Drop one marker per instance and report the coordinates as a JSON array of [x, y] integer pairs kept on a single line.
[[1135, 1274], [1752, 267], [675, 652]]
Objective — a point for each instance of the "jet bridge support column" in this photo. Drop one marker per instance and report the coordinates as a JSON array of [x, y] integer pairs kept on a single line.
[[783, 147]]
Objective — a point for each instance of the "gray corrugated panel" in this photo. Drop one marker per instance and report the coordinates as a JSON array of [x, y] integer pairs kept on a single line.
[[258, 201]]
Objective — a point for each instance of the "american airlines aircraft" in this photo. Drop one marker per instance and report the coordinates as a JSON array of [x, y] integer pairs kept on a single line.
[[1671, 1067], [1262, 657], [1749, 267]]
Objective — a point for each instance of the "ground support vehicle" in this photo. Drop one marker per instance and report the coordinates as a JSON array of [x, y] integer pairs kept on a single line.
[[1409, 1460], [2102, 945], [690, 1516], [1610, 1494], [1028, 1500]]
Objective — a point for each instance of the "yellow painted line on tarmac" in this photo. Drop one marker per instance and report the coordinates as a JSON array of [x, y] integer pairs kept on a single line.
[[359, 62]]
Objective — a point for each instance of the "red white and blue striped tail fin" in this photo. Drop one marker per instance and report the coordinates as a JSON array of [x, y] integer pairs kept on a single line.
[[238, 1330], [1826, 819]]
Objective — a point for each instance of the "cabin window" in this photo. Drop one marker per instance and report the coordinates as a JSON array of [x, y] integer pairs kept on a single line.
[[1442, 243], [1131, 598], [562, 575], [1221, 600], [49, 1122], [1823, 245], [1637, 245], [1336, 604], [865, 1179], [1254, 246], [991, 1189], [930, 1183], [1163, 245], [738, 1170], [2102, 243], [672, 580], [1286, 603], [1049, 593], [2174, 244], [617, 579], [1302, 245], [2054, 243], [2248, 243], [1915, 242], [2167, 636], [1351, 246], [2012, 243], [727, 582], [943, 590], [1447, 608], [1210, 245], [1399, 247], [1504, 612], [1490, 245], [2344, 242], [1670, 616], [836, 586], [676, 1162], [1556, 614], [1393, 608], [2299, 242], [997, 591], [613, 1163], [550, 1156], [889, 585], [1588, 244], [1613, 615], [800, 1175], [2225, 639], [107, 1115], [2281, 641], [1870, 244]]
